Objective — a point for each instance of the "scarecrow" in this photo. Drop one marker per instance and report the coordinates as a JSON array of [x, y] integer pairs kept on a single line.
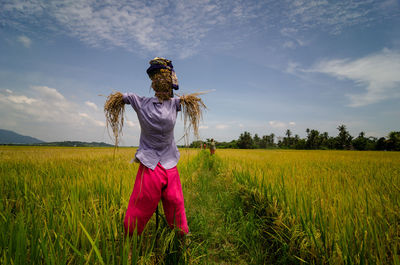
[[157, 177], [212, 147]]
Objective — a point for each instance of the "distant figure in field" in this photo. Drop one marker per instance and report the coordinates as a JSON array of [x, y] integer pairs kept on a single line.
[[212, 147]]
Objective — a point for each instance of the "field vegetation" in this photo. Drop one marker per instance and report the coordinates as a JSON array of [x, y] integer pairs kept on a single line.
[[337, 207], [64, 205]]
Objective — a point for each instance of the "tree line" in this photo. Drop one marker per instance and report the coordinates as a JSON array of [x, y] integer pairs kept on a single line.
[[313, 140]]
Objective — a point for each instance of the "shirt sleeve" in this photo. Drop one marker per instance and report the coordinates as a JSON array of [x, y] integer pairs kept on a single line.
[[132, 99]]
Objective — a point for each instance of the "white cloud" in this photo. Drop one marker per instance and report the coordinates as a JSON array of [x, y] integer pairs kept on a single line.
[[294, 42], [9, 91], [203, 127], [46, 105], [281, 124], [292, 38], [92, 105], [25, 41], [130, 123], [289, 44], [83, 115], [277, 124], [288, 31], [292, 68], [49, 93], [93, 121], [99, 123], [21, 99], [378, 74], [221, 126]]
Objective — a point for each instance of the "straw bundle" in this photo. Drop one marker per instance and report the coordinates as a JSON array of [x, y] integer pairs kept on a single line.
[[161, 83], [114, 109], [192, 111]]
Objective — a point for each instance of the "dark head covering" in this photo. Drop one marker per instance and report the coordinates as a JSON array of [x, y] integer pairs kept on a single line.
[[161, 63]]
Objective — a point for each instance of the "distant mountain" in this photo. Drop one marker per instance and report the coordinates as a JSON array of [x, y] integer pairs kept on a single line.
[[76, 144], [10, 137], [13, 138]]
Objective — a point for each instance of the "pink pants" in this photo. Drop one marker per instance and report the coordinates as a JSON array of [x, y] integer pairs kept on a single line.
[[151, 186]]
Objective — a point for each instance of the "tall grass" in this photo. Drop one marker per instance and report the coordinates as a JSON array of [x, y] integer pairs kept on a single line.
[[66, 206], [347, 203]]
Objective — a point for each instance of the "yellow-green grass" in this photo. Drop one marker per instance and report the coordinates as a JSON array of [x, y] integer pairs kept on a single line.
[[66, 205], [347, 202]]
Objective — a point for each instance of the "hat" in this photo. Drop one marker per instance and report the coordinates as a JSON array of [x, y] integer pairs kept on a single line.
[[161, 63]]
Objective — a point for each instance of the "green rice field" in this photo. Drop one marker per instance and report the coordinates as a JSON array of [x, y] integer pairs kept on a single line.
[[66, 206]]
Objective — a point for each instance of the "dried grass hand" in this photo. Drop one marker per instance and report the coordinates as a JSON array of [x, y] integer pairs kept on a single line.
[[192, 111], [114, 109]]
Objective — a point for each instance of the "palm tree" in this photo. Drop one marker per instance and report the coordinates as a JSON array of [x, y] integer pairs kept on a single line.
[[288, 133], [344, 138]]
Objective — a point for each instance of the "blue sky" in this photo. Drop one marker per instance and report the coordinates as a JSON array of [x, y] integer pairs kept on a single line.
[[273, 65]]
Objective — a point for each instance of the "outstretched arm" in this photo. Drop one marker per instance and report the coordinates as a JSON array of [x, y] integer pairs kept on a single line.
[[132, 99], [114, 109], [192, 110]]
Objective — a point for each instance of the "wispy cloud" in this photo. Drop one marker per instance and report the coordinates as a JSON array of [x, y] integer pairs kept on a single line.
[[221, 126], [92, 105], [50, 95], [21, 99], [25, 41], [293, 68], [378, 74], [289, 44], [330, 16], [180, 27], [281, 124], [296, 17], [93, 121], [277, 124], [130, 124], [158, 26]]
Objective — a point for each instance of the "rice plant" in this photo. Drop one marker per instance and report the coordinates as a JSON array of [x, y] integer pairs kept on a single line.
[[347, 203], [66, 206]]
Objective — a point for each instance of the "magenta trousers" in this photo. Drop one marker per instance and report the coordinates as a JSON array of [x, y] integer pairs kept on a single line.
[[151, 186]]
